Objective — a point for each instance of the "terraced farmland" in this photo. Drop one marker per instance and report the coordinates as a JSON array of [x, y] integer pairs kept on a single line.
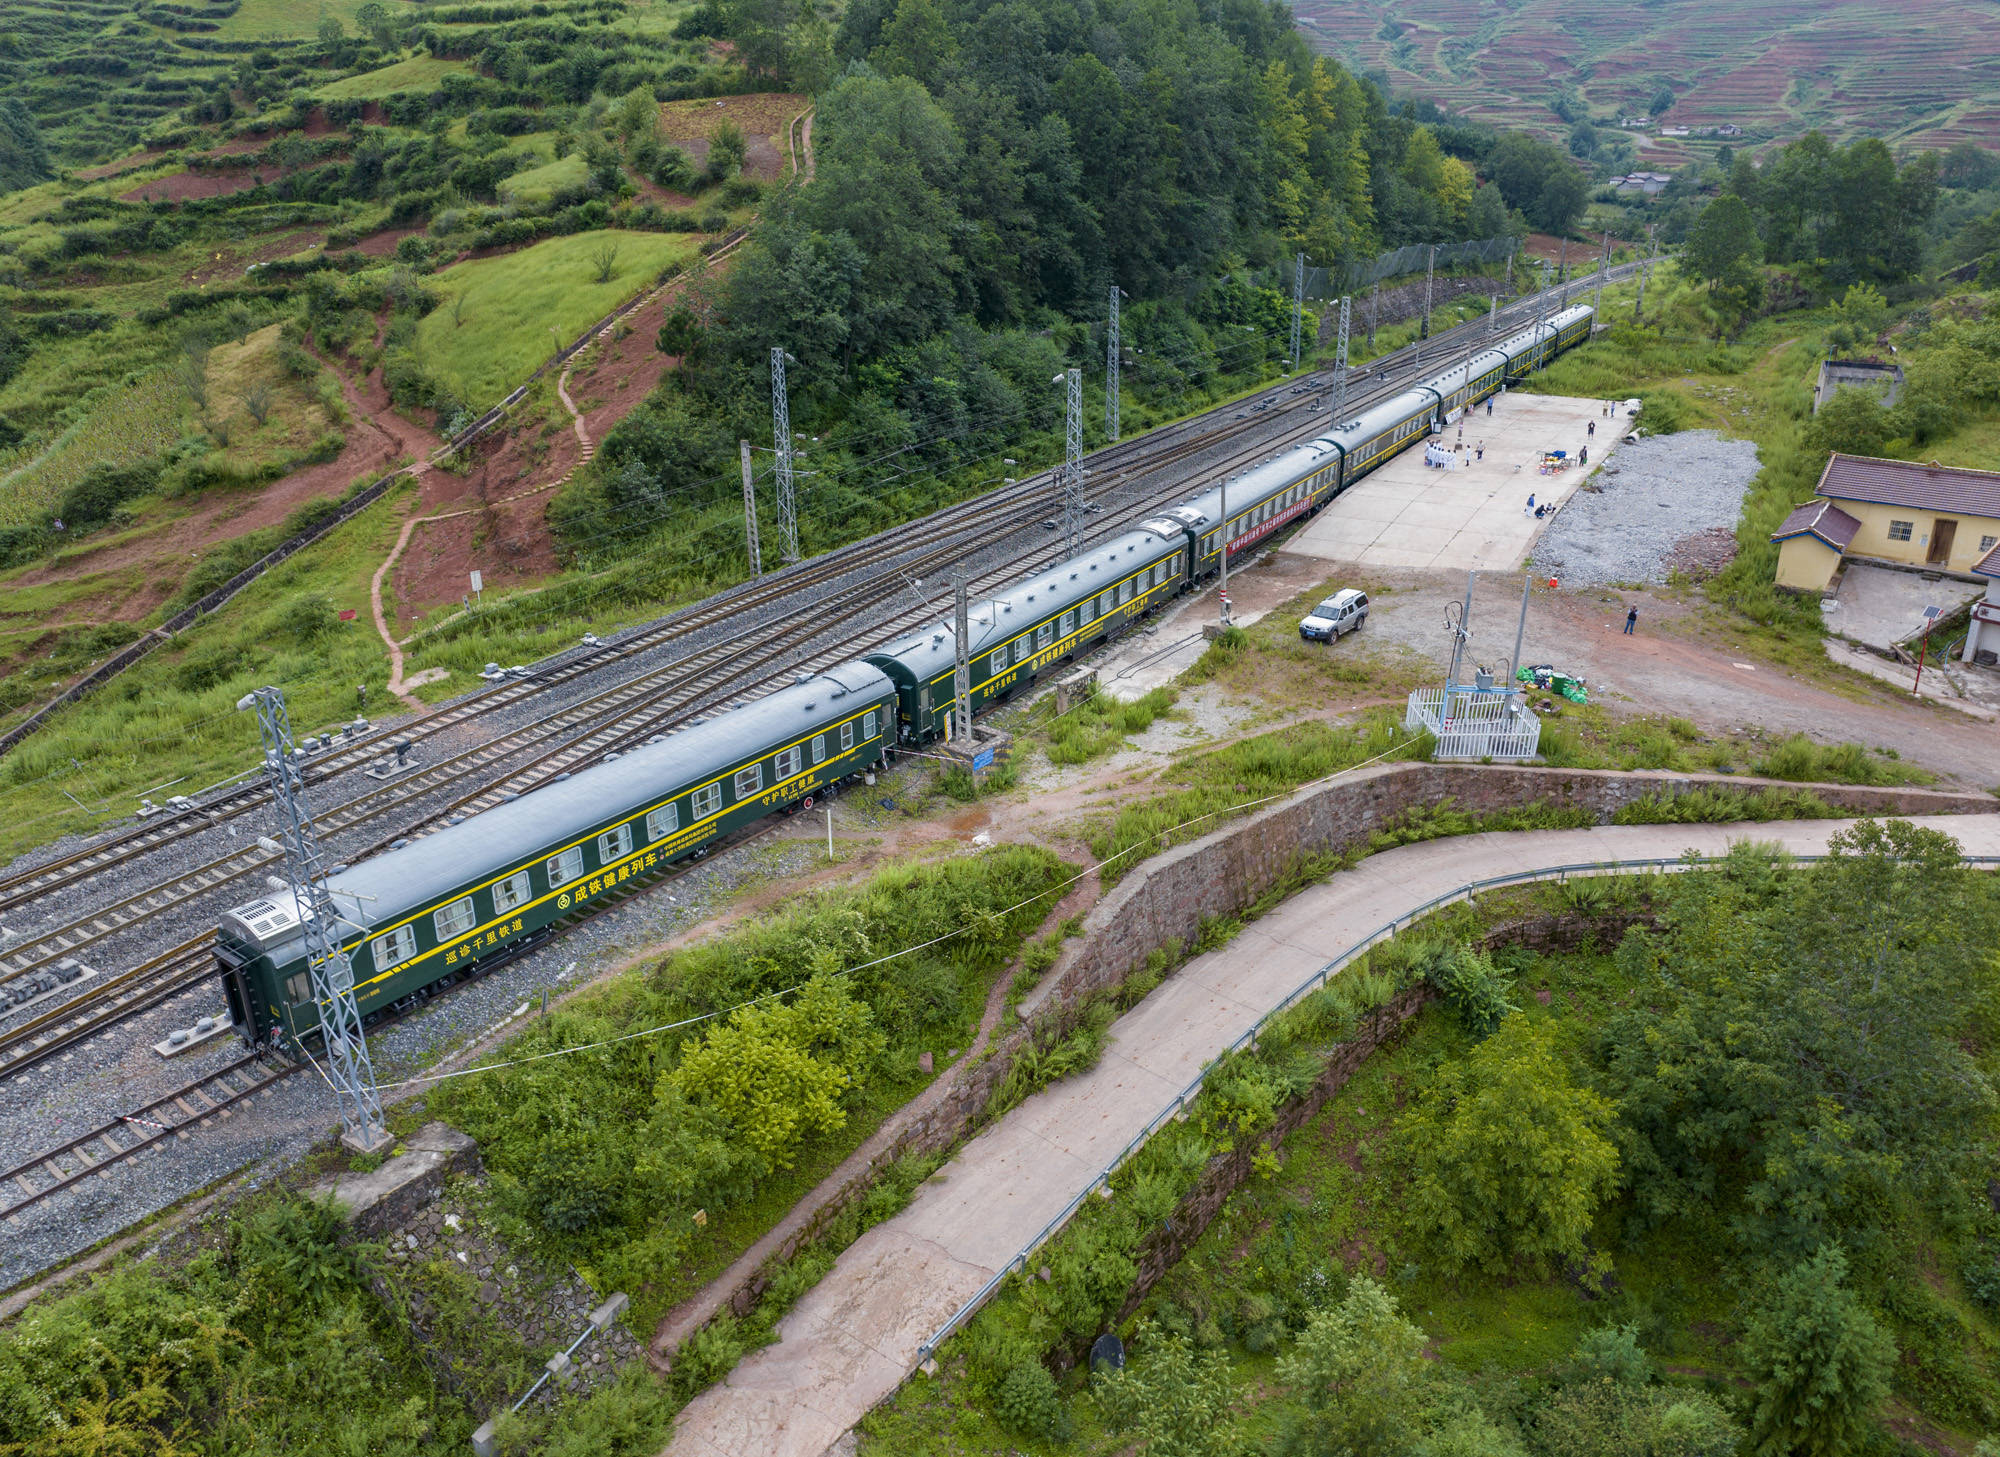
[[1920, 71]]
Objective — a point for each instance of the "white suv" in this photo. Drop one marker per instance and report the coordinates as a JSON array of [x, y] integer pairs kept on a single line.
[[1341, 613]]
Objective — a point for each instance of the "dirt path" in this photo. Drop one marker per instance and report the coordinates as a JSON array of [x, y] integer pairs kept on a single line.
[[1680, 662], [389, 639]]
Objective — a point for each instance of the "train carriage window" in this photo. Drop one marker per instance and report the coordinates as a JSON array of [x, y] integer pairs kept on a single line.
[[1089, 610], [565, 867], [513, 892], [1000, 661], [868, 723], [1069, 622], [790, 761], [1106, 601], [455, 919], [1044, 635], [392, 949], [847, 735], [614, 844], [1023, 645], [705, 801], [663, 821], [749, 781], [298, 988], [819, 748]]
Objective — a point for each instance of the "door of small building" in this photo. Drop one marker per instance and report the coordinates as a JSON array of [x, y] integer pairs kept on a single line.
[[1943, 532]]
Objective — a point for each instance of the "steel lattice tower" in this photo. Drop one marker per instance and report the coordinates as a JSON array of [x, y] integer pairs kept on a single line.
[[1072, 473], [1340, 366], [348, 1065], [1111, 362], [781, 436]]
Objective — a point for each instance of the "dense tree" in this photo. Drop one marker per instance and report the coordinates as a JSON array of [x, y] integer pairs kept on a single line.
[[1795, 1059], [1510, 1159], [1358, 1375], [1722, 245], [1539, 179], [1174, 1398], [1820, 1363], [778, 1073]]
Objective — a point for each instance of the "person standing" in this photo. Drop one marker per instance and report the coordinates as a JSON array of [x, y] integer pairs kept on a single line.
[[1479, 452], [1529, 510], [1583, 456], [1631, 620], [1591, 431]]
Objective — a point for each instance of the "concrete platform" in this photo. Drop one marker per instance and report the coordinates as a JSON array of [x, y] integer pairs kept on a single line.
[[1881, 606], [1408, 515]]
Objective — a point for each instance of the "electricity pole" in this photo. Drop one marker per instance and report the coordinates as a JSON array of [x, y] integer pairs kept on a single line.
[[1645, 272], [1430, 266], [1597, 304], [348, 1068], [1562, 274], [961, 677], [1298, 309], [1072, 471], [781, 431], [1340, 365], [1374, 311], [750, 517], [1111, 361]]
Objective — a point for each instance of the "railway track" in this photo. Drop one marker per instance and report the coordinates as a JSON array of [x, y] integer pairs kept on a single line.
[[95, 1154], [1156, 450], [629, 712]]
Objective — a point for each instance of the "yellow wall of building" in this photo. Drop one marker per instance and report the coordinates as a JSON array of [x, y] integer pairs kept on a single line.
[[1806, 564], [1873, 537]]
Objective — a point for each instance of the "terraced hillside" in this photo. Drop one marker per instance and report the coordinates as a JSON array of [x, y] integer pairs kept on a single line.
[[1919, 71]]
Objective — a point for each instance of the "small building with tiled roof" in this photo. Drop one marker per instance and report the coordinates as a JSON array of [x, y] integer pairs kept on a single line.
[[1934, 517], [1982, 638], [1810, 544]]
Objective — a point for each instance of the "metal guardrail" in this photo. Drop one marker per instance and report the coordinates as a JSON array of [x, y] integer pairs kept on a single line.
[[1313, 983]]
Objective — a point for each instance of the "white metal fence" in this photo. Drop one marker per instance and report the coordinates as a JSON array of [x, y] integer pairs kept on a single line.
[[1473, 723]]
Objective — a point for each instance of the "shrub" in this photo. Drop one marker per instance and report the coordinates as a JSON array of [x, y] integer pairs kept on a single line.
[[1028, 1401], [1606, 1418], [1469, 983], [1612, 1353]]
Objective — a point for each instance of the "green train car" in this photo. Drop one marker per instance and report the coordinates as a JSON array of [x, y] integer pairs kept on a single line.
[[441, 908], [1026, 630]]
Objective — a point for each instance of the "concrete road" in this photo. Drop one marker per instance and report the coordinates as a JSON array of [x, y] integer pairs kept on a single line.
[[850, 1341]]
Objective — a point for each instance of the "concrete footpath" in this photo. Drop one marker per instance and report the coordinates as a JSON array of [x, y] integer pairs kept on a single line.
[[851, 1340]]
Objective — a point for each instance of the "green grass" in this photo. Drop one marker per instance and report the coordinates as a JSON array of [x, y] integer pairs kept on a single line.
[[419, 73], [297, 19], [173, 715], [538, 185], [1100, 725], [141, 417], [512, 303]]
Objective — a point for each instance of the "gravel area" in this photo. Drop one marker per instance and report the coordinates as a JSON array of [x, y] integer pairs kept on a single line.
[[1624, 524]]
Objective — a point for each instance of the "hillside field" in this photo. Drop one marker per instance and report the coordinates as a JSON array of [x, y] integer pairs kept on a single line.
[[1775, 67]]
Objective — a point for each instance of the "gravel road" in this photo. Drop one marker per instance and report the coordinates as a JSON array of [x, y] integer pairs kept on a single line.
[[1648, 497]]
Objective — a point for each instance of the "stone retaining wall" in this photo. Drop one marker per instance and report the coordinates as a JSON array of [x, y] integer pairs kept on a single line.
[[455, 1281], [1166, 900]]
